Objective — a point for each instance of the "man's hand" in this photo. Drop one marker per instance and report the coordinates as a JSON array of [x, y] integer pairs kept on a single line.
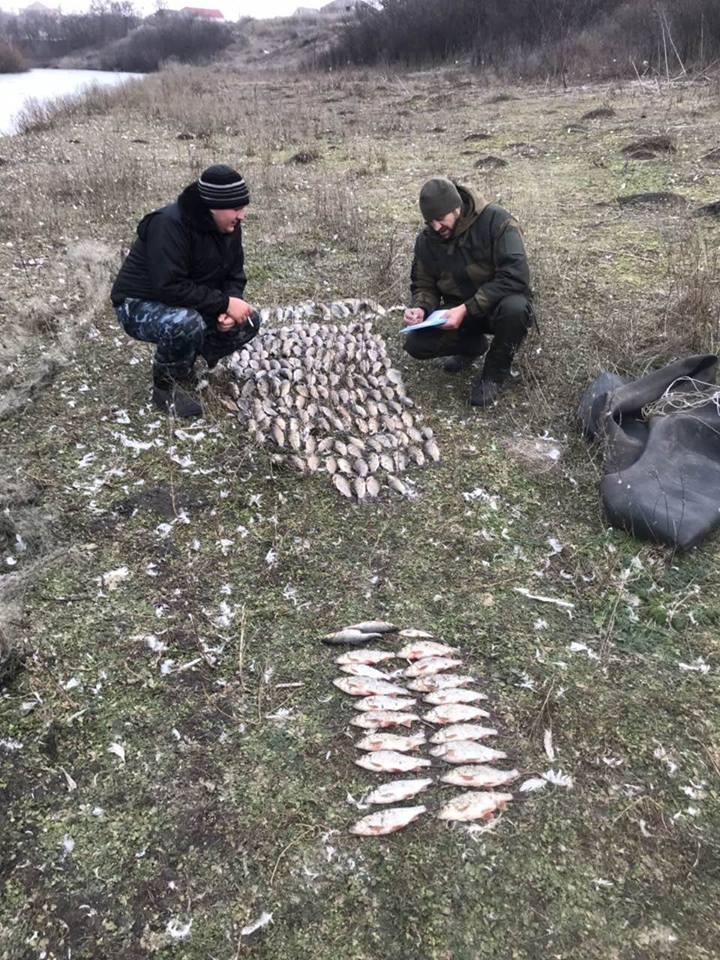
[[454, 317], [239, 310], [414, 315], [225, 323]]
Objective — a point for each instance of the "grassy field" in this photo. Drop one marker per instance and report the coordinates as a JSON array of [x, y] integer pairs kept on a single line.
[[157, 801]]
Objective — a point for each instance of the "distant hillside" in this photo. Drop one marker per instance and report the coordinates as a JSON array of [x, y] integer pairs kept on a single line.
[[284, 42]]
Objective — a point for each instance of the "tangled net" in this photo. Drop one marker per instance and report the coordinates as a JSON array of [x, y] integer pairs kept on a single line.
[[685, 393]]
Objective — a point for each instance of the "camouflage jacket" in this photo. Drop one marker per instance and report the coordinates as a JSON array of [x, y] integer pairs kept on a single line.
[[482, 262]]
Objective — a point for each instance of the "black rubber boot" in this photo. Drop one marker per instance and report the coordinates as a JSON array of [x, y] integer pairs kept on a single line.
[[175, 397], [463, 361], [483, 393]]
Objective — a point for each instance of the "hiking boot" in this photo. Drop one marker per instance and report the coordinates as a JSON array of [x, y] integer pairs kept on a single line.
[[457, 363], [474, 348], [178, 400], [483, 393]]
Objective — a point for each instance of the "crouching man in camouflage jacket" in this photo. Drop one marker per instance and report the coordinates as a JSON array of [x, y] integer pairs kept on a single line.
[[469, 261], [182, 285]]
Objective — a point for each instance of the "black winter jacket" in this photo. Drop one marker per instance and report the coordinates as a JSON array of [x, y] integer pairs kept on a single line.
[[180, 258]]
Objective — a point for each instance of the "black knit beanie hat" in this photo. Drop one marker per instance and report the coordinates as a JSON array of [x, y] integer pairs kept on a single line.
[[438, 197], [222, 188]]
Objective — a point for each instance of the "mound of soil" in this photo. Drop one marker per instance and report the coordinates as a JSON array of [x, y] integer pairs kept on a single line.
[[472, 137], [501, 98], [490, 162], [639, 149], [601, 113], [638, 199], [709, 210], [304, 156], [712, 155], [575, 128]]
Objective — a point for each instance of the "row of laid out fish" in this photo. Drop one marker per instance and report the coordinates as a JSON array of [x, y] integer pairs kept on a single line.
[[417, 684], [325, 398], [309, 309]]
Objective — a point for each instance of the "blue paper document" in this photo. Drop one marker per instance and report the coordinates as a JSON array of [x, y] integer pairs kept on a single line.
[[436, 319]]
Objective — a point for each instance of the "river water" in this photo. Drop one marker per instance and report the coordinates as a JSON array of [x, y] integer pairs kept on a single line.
[[42, 85]]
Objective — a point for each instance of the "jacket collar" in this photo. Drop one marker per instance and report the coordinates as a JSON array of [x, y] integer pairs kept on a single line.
[[193, 209]]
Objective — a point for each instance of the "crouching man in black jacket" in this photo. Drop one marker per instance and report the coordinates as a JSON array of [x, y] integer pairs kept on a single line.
[[182, 285]]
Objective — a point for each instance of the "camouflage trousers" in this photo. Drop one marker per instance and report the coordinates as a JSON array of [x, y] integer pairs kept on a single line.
[[181, 334]]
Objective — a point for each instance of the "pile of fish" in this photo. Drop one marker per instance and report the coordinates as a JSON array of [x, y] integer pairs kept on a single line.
[[426, 692], [325, 397]]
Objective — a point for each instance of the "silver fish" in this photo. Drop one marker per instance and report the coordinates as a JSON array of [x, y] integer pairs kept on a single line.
[[391, 741], [381, 719], [362, 670], [382, 702], [390, 761], [364, 656], [341, 485], [478, 775], [387, 821], [474, 806], [410, 633], [430, 666], [349, 636], [454, 713], [367, 686], [374, 626], [440, 681], [462, 731], [419, 649], [397, 790], [466, 751], [439, 698]]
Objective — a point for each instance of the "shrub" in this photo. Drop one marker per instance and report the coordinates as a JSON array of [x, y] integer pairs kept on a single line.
[[179, 38], [11, 60]]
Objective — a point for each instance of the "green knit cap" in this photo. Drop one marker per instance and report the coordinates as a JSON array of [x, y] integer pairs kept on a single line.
[[438, 197]]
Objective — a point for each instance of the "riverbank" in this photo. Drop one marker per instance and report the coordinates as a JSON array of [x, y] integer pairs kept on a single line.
[[157, 808]]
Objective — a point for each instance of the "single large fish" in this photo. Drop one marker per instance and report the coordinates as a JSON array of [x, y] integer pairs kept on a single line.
[[452, 712], [364, 656], [440, 698], [397, 790], [367, 686], [430, 666], [363, 670], [386, 821], [440, 681], [474, 806], [466, 751], [390, 761], [475, 776], [419, 649], [349, 638], [380, 719], [391, 741], [381, 702], [462, 731], [373, 626]]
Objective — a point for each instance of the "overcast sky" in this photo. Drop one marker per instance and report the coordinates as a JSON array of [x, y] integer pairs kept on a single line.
[[232, 9]]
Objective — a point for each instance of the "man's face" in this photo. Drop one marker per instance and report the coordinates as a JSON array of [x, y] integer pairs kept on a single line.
[[445, 226], [227, 220]]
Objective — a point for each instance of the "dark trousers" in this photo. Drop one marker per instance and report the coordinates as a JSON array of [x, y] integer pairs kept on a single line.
[[180, 333], [508, 324]]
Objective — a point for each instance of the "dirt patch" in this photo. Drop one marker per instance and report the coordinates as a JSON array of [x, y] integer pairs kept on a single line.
[[712, 155], [490, 162], [475, 137], [709, 210], [661, 197], [303, 157], [601, 113], [639, 149], [162, 500], [501, 98]]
